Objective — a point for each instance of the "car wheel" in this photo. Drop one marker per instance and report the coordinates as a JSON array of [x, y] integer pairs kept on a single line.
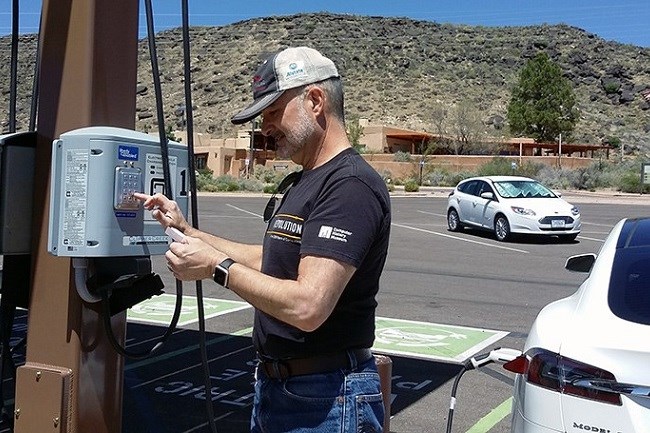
[[568, 238], [502, 228], [453, 221]]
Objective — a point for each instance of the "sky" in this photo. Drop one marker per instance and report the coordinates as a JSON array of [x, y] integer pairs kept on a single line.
[[625, 21]]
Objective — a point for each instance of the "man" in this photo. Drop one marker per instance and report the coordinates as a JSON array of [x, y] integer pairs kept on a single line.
[[313, 281]]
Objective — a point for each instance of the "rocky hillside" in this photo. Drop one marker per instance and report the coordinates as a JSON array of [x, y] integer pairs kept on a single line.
[[395, 70]]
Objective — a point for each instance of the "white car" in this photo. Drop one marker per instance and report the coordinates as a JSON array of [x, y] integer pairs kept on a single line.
[[509, 205], [586, 362]]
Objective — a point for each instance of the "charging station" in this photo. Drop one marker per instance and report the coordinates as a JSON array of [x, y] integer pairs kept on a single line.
[[17, 155], [95, 172]]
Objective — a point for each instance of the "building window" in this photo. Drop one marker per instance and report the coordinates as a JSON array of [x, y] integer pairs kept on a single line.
[[201, 161]]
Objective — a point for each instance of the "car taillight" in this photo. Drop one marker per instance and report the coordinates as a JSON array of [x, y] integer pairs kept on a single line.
[[558, 373]]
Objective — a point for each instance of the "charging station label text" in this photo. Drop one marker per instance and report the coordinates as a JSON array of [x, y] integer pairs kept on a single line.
[[129, 153]]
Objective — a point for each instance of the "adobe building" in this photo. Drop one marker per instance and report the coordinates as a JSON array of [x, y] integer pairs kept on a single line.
[[236, 156]]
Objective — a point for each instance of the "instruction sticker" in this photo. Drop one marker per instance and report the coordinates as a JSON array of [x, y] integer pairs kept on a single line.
[[73, 230]]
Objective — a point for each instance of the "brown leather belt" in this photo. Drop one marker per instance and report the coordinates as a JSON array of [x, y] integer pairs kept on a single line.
[[285, 368]]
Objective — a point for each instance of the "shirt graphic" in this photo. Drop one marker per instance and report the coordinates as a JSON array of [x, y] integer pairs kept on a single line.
[[286, 227]]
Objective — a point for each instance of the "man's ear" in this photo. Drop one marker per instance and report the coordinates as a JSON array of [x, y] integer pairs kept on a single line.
[[316, 100]]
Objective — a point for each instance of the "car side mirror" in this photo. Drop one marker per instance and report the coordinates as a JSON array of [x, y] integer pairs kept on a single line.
[[580, 263], [487, 195]]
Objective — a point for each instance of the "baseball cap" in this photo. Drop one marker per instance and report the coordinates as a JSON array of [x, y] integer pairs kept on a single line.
[[287, 69]]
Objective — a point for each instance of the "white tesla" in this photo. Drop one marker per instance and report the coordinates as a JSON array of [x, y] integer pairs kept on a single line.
[[586, 362]]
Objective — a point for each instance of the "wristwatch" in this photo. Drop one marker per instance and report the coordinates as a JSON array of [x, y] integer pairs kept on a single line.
[[220, 275]]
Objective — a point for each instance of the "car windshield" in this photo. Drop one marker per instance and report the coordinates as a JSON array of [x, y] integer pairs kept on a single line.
[[523, 189]]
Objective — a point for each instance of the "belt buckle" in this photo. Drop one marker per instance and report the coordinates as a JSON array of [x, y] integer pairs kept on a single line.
[[277, 369]]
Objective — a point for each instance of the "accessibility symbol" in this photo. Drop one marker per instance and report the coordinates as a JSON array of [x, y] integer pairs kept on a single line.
[[160, 309], [431, 340]]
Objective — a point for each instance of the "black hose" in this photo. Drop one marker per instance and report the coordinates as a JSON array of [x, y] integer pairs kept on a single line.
[[106, 313], [195, 217], [13, 79], [37, 71], [164, 146], [454, 388], [164, 150]]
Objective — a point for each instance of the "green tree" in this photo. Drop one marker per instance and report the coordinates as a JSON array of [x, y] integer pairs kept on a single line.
[[542, 105], [355, 132]]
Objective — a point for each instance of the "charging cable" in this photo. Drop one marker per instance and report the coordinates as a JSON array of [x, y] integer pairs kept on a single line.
[[194, 208], [501, 355]]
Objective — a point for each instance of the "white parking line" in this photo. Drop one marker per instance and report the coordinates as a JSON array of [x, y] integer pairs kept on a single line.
[[597, 224], [244, 210], [432, 213], [460, 239], [591, 239]]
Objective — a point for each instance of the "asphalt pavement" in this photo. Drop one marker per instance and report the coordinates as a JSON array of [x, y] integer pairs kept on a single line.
[[439, 290]]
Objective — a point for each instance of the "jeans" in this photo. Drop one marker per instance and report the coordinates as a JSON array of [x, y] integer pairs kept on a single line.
[[343, 401]]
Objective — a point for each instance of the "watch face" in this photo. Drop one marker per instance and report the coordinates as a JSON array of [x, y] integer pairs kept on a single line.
[[220, 275], [221, 272]]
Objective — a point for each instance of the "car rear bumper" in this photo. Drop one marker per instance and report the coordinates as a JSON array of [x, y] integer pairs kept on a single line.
[[522, 425]]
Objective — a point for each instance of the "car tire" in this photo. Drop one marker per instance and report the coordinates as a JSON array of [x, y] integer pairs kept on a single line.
[[502, 228], [453, 221], [568, 238]]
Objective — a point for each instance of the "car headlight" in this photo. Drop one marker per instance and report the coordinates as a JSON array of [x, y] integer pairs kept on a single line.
[[575, 210], [522, 211]]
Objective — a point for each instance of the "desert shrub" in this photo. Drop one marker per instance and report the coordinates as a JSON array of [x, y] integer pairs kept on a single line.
[[204, 181], [402, 156], [555, 177], [530, 169], [268, 174], [628, 183], [498, 166], [226, 183], [411, 185], [456, 177], [436, 177], [440, 176], [386, 175], [252, 185]]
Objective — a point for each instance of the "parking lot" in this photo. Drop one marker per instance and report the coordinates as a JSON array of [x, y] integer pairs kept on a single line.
[[432, 276]]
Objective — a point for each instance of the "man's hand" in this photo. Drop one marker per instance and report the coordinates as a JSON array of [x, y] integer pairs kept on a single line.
[[164, 210], [193, 259]]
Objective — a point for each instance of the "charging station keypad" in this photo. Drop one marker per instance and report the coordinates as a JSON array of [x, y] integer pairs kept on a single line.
[[128, 180]]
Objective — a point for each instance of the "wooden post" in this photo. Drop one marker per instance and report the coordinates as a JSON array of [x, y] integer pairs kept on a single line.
[[72, 380]]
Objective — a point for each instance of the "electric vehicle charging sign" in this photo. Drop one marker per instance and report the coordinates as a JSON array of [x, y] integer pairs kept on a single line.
[[431, 341], [160, 309]]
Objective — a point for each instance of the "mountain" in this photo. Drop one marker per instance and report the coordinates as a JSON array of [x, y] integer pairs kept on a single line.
[[395, 70]]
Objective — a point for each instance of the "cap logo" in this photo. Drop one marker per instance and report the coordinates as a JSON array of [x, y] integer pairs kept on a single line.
[[296, 69], [259, 84]]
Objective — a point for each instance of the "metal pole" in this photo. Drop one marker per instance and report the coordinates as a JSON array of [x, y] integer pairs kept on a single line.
[[559, 153], [251, 158]]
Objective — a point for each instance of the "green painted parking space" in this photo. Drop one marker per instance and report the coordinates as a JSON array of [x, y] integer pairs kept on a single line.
[[421, 340], [160, 309], [432, 341]]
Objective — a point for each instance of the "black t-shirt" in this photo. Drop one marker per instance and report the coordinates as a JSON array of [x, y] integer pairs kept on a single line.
[[340, 210]]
